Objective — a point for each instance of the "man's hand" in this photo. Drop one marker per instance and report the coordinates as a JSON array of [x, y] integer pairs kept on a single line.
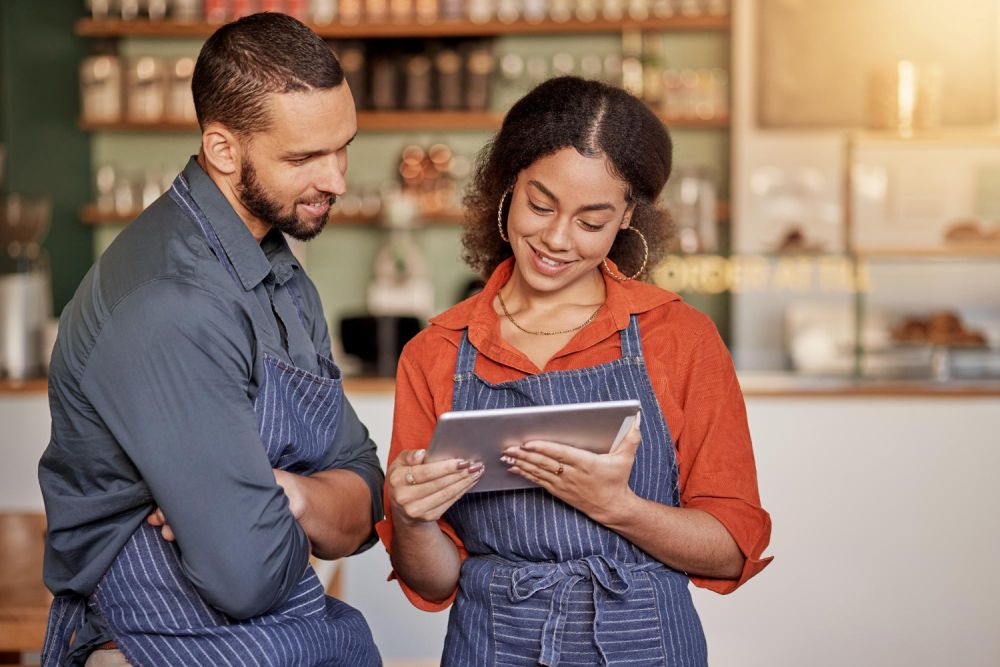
[[159, 521], [286, 480], [291, 483]]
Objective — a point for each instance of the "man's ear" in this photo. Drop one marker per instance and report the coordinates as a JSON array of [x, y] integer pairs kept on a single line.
[[222, 149]]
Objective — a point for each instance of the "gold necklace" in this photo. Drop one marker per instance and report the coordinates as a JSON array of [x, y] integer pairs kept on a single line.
[[503, 307]]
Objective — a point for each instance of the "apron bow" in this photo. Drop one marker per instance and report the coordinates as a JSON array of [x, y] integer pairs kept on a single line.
[[611, 579]]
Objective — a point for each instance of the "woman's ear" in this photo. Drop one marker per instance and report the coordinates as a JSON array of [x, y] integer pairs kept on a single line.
[[221, 148], [627, 218]]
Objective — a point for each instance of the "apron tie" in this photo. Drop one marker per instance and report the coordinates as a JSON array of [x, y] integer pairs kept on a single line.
[[65, 619], [610, 578]]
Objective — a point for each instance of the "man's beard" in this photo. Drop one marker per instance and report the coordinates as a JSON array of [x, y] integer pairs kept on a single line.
[[257, 201]]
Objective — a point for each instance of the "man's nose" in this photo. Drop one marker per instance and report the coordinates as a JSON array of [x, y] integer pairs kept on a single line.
[[332, 178]]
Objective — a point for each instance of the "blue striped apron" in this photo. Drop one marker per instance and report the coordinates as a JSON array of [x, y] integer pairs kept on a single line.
[[544, 584], [156, 616]]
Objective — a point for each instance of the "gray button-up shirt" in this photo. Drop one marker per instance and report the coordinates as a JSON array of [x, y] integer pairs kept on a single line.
[[153, 378]]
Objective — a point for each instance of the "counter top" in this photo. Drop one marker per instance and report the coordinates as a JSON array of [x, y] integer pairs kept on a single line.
[[754, 383], [793, 385], [354, 385], [24, 600]]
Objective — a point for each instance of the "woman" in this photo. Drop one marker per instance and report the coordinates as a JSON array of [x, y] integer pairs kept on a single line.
[[593, 566]]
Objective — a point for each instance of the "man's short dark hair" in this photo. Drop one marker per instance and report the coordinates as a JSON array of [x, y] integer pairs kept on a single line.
[[244, 61]]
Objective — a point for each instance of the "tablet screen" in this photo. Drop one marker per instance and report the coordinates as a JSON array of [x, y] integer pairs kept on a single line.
[[483, 435]]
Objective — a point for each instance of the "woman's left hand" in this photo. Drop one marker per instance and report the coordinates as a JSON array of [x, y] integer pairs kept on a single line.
[[595, 484]]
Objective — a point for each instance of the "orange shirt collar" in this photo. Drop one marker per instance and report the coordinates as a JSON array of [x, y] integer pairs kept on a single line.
[[476, 313]]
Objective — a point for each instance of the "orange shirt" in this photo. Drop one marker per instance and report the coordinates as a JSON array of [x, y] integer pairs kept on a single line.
[[691, 373]]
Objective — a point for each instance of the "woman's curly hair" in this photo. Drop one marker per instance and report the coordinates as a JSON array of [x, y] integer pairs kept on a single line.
[[597, 120]]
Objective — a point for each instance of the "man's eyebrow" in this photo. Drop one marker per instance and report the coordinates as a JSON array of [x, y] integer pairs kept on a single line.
[[303, 154]]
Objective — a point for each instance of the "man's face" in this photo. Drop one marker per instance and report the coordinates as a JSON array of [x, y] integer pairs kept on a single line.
[[292, 172]]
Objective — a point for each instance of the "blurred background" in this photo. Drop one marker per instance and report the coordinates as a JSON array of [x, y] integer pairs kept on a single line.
[[837, 199]]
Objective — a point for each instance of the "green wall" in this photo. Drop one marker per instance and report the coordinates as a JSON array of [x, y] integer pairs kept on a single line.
[[51, 155], [46, 153]]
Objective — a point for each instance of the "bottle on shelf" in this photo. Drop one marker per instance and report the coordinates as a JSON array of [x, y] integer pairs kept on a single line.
[[403, 12], [101, 89], [145, 90]]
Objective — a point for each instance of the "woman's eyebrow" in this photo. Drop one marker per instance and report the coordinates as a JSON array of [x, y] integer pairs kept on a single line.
[[604, 206]]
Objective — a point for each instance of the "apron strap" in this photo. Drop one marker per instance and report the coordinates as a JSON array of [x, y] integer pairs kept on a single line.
[[180, 192], [65, 619], [631, 343], [465, 366]]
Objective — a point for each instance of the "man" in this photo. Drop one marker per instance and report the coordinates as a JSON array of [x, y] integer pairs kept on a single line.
[[201, 444]]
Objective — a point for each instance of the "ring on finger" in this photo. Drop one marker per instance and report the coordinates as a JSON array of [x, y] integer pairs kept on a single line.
[[409, 477], [560, 469]]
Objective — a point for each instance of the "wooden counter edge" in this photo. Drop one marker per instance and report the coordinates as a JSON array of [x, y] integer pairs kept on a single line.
[[387, 386]]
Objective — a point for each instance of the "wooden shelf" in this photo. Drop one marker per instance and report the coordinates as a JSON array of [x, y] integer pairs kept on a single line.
[[442, 28], [29, 386], [91, 215], [950, 251], [398, 121], [428, 120]]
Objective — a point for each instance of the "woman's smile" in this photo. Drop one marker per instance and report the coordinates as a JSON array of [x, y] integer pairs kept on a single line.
[[547, 264]]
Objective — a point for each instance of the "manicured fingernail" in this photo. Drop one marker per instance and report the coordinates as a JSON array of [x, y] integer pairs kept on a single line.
[[638, 418], [421, 453], [506, 459], [479, 473], [476, 468], [461, 464], [529, 446]]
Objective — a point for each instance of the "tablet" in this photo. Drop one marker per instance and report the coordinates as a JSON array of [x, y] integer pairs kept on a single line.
[[483, 435]]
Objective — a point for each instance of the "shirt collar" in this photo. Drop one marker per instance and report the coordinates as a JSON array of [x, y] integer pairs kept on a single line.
[[623, 299], [252, 261]]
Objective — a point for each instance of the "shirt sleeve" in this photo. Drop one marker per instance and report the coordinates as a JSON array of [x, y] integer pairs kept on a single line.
[[412, 427], [717, 470], [168, 375], [352, 449]]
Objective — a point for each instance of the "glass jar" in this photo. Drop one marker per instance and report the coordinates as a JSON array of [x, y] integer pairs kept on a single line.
[[101, 89], [180, 102], [146, 90]]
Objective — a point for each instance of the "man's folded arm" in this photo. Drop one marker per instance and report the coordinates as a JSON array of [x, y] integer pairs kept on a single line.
[[354, 451], [168, 375]]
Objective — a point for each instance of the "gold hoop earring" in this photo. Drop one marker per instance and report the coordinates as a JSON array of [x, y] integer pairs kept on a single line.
[[500, 213], [645, 258]]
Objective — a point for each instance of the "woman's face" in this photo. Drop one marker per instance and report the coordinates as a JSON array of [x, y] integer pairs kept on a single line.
[[565, 212]]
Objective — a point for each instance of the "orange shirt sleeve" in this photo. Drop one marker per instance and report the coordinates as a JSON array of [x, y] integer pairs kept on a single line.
[[715, 459], [415, 416]]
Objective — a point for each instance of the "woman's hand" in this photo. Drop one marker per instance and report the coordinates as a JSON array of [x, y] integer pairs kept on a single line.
[[421, 492], [595, 484]]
